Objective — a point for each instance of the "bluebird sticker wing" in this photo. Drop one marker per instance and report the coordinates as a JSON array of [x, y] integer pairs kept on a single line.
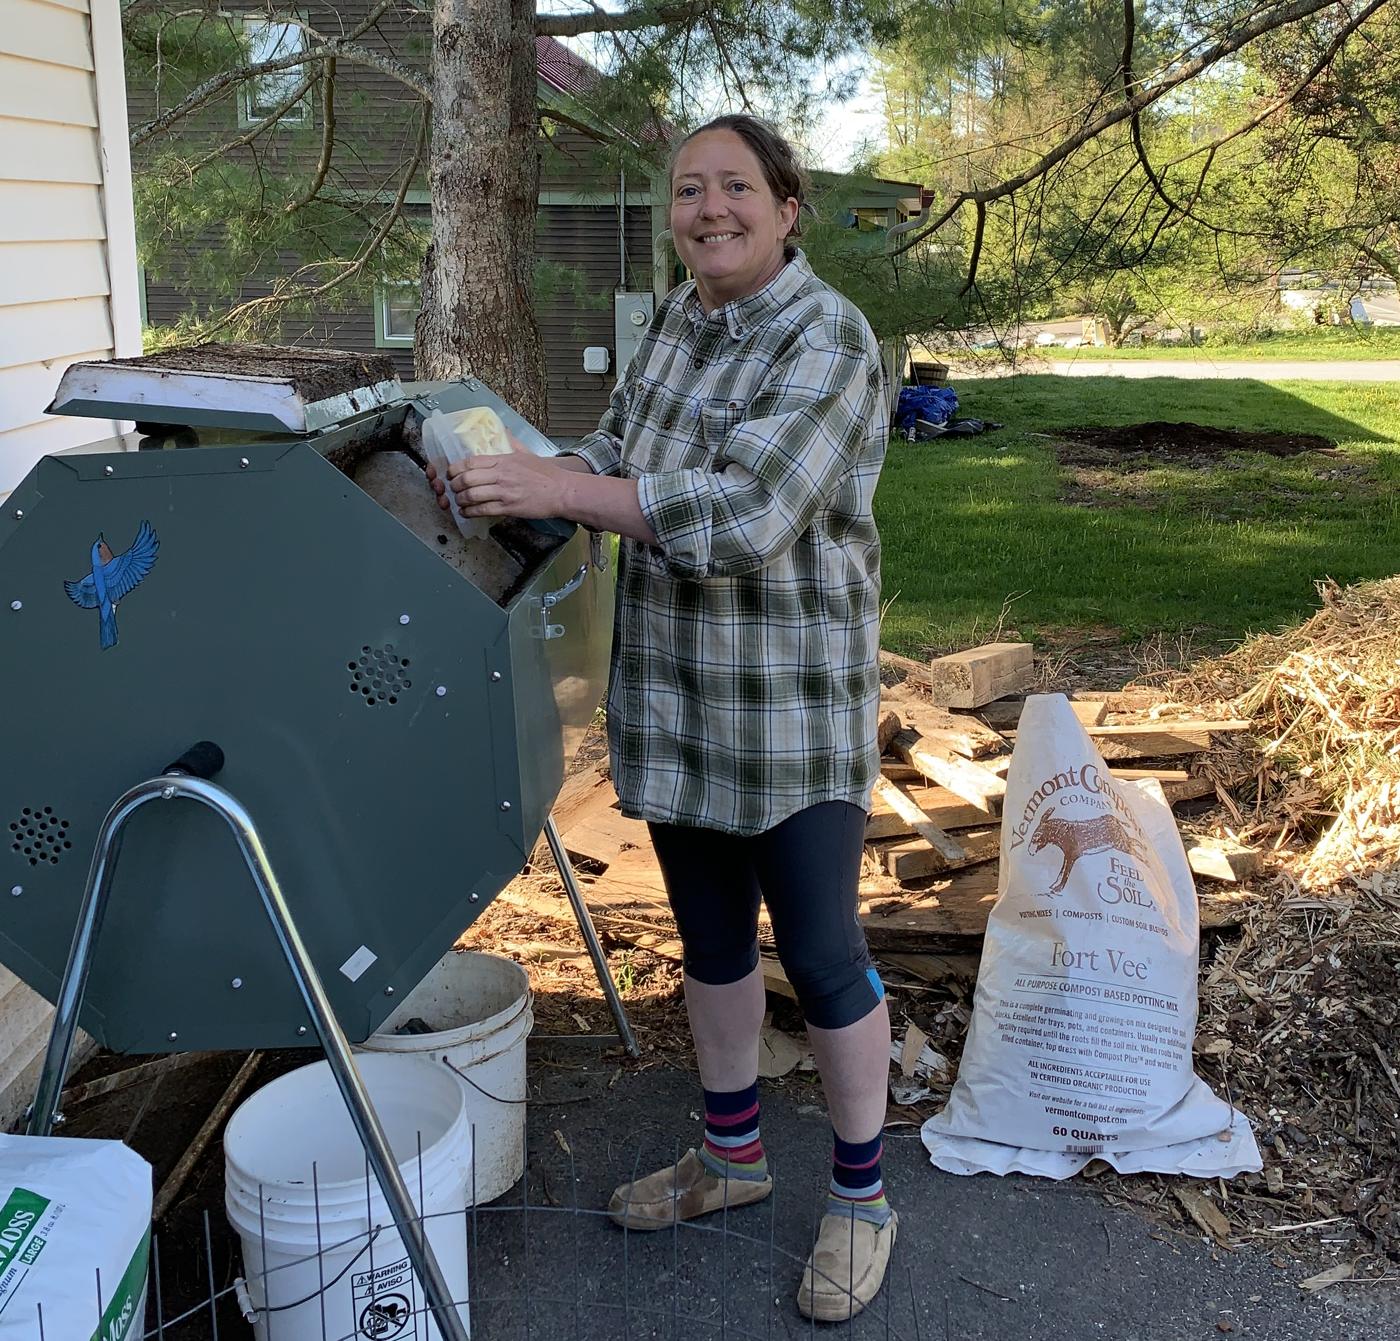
[[83, 594], [126, 572]]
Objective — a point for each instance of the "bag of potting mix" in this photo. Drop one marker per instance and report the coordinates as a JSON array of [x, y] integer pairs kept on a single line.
[[75, 1234], [1085, 1009]]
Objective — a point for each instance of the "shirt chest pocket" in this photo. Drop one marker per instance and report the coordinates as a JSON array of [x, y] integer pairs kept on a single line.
[[718, 419]]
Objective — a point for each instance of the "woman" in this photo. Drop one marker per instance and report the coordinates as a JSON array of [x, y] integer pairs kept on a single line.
[[737, 461]]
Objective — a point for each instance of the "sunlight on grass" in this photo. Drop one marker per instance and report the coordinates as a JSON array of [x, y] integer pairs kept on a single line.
[[1225, 551]]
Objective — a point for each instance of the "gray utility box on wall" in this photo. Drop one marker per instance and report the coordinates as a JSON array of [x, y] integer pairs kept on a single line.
[[397, 734], [632, 313]]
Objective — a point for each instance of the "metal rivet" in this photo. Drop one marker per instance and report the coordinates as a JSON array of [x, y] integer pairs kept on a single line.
[[172, 1035], [243, 463], [167, 793], [108, 470], [505, 805], [475, 896], [441, 691], [388, 991], [403, 619], [301, 1029], [495, 677], [16, 605], [16, 890], [19, 514], [236, 984]]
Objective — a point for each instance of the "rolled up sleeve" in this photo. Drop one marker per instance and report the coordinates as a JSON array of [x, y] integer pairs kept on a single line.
[[772, 473], [601, 450]]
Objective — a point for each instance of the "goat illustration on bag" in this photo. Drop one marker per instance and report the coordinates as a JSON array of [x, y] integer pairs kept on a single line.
[[1082, 838]]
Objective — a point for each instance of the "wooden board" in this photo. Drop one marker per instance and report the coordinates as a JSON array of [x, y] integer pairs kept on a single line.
[[929, 834], [954, 909], [914, 858], [962, 777], [1230, 862], [938, 805], [977, 676], [958, 733], [889, 727], [933, 968]]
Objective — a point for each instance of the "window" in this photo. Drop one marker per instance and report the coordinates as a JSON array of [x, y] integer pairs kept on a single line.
[[259, 98], [396, 307]]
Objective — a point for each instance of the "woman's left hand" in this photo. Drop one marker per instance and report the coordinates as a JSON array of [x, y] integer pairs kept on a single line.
[[519, 485]]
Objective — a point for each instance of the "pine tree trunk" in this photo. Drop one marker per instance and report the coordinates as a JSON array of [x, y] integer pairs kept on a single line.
[[478, 315]]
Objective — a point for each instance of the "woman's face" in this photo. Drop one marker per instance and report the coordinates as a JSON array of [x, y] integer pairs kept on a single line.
[[728, 226]]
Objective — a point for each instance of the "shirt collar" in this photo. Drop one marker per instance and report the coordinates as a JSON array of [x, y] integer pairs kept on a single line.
[[742, 315]]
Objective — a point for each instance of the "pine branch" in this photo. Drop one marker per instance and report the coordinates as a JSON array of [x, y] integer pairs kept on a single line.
[[600, 21], [287, 291], [334, 49], [252, 133], [323, 166]]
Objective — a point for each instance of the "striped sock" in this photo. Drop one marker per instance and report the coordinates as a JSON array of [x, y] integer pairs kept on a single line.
[[732, 1147], [856, 1185]]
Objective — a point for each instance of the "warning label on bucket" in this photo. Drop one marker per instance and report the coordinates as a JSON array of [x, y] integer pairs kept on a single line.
[[384, 1302]]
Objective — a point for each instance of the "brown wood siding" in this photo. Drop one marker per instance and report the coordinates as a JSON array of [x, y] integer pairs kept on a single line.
[[377, 117], [583, 239]]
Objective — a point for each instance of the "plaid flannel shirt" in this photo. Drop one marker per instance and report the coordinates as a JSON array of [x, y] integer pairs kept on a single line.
[[745, 669]]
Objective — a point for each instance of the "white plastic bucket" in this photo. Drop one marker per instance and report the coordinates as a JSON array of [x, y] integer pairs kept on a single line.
[[478, 1006], [296, 1192]]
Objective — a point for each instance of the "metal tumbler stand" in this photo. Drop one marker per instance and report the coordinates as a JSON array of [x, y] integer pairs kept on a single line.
[[180, 781], [590, 937]]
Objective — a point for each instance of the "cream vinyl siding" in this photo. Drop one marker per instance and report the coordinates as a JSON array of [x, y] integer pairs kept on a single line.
[[67, 241], [67, 292]]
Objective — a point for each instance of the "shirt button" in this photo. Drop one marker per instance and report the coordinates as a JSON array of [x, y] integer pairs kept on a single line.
[[697, 362]]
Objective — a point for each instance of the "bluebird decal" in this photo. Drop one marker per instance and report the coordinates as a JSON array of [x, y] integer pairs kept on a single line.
[[113, 579]]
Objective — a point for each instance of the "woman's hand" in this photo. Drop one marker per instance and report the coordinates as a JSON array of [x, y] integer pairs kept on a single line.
[[518, 485]]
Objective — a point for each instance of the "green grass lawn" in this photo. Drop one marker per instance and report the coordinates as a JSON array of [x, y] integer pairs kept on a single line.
[[1325, 344], [1236, 548]]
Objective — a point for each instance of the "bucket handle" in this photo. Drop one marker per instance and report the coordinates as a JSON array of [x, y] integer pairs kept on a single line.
[[462, 1075], [251, 1310]]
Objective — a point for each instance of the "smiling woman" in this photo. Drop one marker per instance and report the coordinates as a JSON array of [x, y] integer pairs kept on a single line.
[[738, 462]]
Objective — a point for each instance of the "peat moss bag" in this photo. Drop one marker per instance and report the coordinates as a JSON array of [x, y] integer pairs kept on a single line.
[[75, 1232], [1085, 1008]]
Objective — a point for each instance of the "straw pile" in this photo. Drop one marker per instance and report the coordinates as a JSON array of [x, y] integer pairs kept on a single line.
[[1326, 698], [1298, 1016]]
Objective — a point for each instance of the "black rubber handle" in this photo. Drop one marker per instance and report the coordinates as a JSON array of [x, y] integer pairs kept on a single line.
[[202, 760]]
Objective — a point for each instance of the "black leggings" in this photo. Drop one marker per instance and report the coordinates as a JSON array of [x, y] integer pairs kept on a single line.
[[807, 870]]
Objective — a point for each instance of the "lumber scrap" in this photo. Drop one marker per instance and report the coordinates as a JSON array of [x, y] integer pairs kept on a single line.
[[936, 804], [581, 793], [604, 834], [958, 733], [889, 727], [934, 968], [981, 674], [907, 670], [914, 858], [1231, 862], [774, 979], [960, 776], [907, 808], [1153, 740], [951, 909]]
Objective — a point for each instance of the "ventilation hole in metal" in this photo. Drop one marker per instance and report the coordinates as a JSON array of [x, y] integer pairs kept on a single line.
[[39, 835], [378, 674]]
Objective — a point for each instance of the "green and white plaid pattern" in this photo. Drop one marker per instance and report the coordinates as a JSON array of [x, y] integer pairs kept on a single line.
[[745, 671]]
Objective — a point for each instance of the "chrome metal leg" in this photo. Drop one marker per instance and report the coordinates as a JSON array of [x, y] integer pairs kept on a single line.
[[333, 1040], [590, 937]]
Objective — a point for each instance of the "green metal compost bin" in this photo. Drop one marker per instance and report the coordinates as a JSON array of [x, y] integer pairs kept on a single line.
[[397, 733]]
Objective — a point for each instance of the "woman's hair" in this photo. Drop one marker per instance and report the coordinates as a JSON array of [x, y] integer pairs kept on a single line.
[[781, 170]]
